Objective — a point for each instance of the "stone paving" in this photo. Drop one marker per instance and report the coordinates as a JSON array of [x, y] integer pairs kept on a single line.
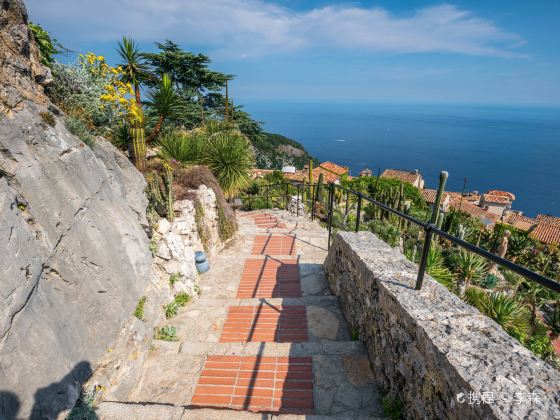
[[266, 336]]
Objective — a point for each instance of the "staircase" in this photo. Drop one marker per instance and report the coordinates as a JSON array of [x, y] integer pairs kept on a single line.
[[266, 338]]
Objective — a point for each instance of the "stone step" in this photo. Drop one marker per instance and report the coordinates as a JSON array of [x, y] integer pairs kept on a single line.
[[341, 378], [204, 320], [139, 411]]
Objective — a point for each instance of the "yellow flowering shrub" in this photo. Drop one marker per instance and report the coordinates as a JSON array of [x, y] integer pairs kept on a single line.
[[117, 95]]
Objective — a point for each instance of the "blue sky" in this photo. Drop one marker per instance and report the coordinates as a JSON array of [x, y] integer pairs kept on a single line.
[[463, 52]]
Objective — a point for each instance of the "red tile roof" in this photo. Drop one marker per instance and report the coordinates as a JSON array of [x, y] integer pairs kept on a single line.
[[498, 199], [548, 219], [519, 221], [405, 176], [501, 194], [328, 177], [430, 195], [334, 168], [488, 218], [549, 234]]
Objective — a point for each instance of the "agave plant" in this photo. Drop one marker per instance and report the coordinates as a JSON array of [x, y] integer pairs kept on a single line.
[[436, 268], [187, 148], [165, 101], [230, 157], [552, 318], [508, 312], [469, 268], [518, 244], [505, 310]]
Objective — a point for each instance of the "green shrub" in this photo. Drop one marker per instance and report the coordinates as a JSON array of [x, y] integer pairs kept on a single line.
[[48, 47], [436, 268], [174, 278], [187, 148], [227, 153], [79, 129], [489, 282], [48, 118], [84, 407], [393, 407], [167, 333], [171, 309], [542, 346], [139, 311], [179, 301]]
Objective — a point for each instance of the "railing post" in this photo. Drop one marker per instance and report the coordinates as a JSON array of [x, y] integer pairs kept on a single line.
[[424, 258], [331, 203], [358, 213], [347, 198], [297, 203]]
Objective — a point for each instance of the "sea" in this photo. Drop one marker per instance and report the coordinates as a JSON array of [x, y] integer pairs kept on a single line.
[[506, 148]]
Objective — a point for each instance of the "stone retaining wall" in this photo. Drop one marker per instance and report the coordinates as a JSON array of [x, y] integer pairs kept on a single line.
[[430, 348]]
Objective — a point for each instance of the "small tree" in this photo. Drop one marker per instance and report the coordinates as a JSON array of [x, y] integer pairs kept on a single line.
[[165, 101]]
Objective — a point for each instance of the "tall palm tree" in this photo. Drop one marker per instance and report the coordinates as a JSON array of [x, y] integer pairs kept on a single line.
[[135, 70], [165, 101]]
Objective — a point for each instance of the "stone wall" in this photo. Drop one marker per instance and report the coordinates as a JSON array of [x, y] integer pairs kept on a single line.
[[174, 245], [430, 348]]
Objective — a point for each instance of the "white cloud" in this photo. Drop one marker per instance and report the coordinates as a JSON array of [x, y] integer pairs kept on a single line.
[[248, 28]]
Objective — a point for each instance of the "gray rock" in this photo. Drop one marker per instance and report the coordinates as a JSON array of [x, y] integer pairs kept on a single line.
[[75, 257]]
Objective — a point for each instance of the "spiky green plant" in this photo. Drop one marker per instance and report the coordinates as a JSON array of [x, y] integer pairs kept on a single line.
[[435, 266], [505, 310], [469, 268], [230, 157], [167, 333], [120, 135], [165, 101], [184, 147], [135, 69], [552, 318]]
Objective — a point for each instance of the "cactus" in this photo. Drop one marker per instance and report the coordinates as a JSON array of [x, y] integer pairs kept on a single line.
[[435, 212], [160, 192], [138, 148], [168, 182], [461, 231], [320, 187]]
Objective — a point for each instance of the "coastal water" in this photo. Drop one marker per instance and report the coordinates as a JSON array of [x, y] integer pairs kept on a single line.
[[506, 148]]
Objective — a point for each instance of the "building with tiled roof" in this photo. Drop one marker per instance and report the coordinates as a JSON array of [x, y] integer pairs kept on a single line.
[[487, 218], [411, 177], [500, 193], [520, 222], [496, 203], [548, 219], [549, 234], [429, 197], [328, 176], [331, 173], [334, 168], [260, 173], [366, 172]]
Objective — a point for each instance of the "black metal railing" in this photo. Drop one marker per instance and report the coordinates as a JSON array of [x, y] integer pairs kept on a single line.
[[319, 205]]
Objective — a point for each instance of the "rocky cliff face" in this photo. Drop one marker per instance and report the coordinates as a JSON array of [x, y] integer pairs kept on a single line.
[[75, 257]]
